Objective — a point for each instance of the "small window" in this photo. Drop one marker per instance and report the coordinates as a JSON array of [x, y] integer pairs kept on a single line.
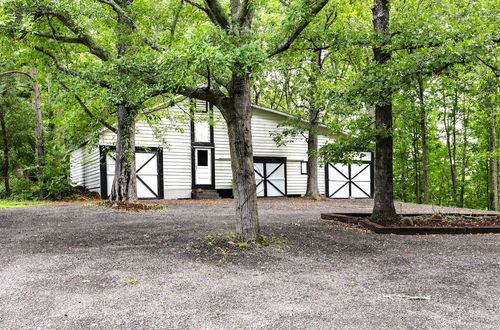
[[202, 157], [202, 107], [303, 167]]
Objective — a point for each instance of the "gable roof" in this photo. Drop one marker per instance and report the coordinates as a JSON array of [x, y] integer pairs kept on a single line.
[[281, 113], [162, 106]]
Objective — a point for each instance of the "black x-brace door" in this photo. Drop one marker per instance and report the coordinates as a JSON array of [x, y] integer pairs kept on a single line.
[[149, 172], [350, 180], [270, 176]]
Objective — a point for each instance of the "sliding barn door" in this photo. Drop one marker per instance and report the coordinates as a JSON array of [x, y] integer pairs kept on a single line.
[[350, 180], [148, 164], [270, 176]]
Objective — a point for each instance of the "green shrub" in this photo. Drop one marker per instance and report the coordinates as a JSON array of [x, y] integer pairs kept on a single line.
[[56, 182], [24, 189], [57, 187]]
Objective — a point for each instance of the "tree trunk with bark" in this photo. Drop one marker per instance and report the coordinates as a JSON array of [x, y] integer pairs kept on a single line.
[[312, 188], [125, 181], [238, 114], [450, 143], [416, 166], [403, 176], [464, 156], [40, 154], [493, 166], [423, 133], [235, 104], [6, 165], [383, 207], [124, 184], [50, 111]]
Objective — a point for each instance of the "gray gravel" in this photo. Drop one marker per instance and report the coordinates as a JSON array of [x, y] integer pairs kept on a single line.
[[72, 266]]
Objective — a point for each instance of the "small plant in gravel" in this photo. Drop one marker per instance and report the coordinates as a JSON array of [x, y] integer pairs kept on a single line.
[[132, 281], [228, 242], [271, 241]]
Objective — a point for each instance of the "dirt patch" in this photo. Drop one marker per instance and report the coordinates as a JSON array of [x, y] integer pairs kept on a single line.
[[131, 207]]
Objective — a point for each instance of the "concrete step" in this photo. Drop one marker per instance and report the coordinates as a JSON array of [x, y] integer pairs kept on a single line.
[[204, 194]]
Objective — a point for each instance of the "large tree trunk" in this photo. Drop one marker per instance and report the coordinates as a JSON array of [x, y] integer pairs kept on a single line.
[[6, 165], [423, 133], [312, 189], [493, 167], [50, 111], [403, 177], [124, 184], [384, 191], [39, 125], [464, 157], [450, 145], [238, 115], [416, 166]]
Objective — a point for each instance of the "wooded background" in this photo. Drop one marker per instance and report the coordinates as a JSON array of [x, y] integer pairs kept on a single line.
[[430, 67]]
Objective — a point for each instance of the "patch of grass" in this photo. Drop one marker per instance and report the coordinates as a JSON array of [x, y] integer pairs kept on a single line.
[[229, 237], [271, 241], [225, 247], [205, 272], [4, 204], [132, 281], [229, 241]]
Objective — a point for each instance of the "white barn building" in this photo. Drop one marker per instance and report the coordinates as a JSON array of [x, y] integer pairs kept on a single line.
[[178, 159]]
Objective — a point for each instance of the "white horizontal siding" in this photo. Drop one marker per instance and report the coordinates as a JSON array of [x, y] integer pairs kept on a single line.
[[85, 168], [174, 137], [263, 123]]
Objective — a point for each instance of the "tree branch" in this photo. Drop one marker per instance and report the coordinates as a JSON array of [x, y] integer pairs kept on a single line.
[[213, 96], [83, 37], [15, 72], [217, 12], [285, 44], [87, 110], [430, 44], [69, 40], [494, 69], [14, 87], [196, 5], [61, 68], [175, 21], [244, 14], [120, 12], [57, 63], [170, 103], [208, 75]]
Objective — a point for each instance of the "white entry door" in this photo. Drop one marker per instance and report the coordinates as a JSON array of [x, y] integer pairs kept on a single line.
[[203, 166]]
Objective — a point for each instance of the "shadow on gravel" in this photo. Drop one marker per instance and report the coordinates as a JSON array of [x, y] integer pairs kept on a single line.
[[315, 240]]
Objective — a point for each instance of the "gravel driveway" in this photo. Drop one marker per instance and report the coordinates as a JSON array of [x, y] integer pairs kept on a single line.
[[73, 266]]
